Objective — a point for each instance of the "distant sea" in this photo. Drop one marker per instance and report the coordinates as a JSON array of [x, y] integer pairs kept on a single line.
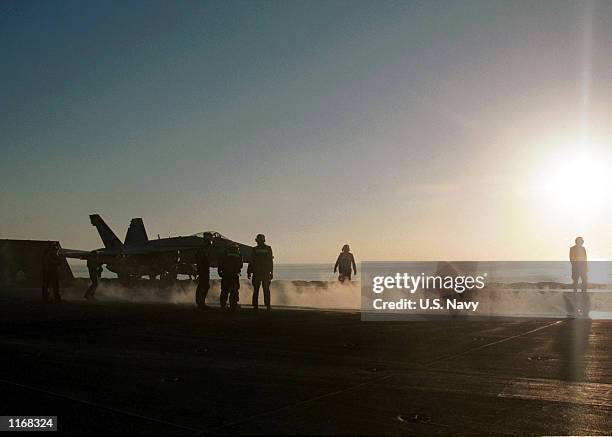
[[289, 272], [505, 272]]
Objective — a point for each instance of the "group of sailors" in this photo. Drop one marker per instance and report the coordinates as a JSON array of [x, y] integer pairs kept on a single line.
[[260, 271], [51, 262]]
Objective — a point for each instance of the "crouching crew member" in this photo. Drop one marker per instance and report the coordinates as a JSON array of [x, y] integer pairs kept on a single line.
[[203, 266], [261, 270], [229, 270]]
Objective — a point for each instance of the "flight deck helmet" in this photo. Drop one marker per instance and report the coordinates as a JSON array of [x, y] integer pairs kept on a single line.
[[208, 237]]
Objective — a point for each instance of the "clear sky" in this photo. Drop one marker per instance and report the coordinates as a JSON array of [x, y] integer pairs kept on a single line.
[[411, 130]]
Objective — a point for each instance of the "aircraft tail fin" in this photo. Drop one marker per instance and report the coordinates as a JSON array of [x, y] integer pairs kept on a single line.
[[136, 233], [108, 237]]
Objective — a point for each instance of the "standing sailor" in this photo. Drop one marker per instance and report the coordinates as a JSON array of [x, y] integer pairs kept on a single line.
[[94, 266], [51, 263], [261, 268], [578, 260], [229, 270], [203, 266], [343, 265]]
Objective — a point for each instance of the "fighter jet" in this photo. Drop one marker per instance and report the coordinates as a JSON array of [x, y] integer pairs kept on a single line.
[[139, 256]]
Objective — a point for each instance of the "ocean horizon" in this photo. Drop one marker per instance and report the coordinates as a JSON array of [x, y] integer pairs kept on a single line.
[[504, 272], [289, 272]]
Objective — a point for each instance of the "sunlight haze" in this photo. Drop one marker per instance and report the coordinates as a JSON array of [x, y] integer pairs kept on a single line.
[[315, 123]]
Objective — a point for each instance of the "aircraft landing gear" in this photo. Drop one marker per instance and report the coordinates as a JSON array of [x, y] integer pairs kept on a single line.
[[126, 280], [168, 278]]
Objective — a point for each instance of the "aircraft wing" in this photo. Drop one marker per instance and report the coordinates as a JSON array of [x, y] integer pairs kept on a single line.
[[184, 244], [75, 253], [187, 246], [157, 250]]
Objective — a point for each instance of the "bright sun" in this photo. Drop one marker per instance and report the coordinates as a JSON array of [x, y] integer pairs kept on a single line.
[[577, 179]]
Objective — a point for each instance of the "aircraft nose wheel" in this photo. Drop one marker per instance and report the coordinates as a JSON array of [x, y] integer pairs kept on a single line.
[[167, 278]]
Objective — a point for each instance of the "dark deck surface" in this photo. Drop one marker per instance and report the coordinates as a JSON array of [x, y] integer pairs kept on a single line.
[[155, 368]]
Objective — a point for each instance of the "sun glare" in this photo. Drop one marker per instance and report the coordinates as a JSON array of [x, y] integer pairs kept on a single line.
[[576, 178]]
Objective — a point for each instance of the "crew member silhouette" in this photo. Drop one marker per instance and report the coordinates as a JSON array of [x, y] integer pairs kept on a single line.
[[343, 265], [94, 266], [203, 266], [578, 259], [229, 270], [261, 269], [579, 302], [51, 263]]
